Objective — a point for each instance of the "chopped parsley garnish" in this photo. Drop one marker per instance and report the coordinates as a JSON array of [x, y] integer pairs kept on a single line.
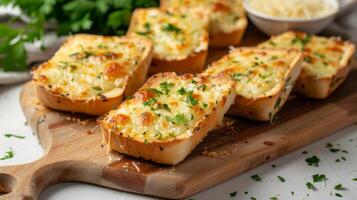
[[354, 179], [233, 194], [310, 186], [319, 55], [339, 187], [304, 152], [272, 43], [171, 28], [156, 91], [301, 41], [165, 87], [334, 150], [96, 88], [178, 119], [8, 135], [338, 195], [273, 166], [313, 161], [182, 91], [203, 87], [319, 178], [149, 102], [281, 179], [147, 27], [253, 198], [274, 198], [256, 177], [237, 76], [190, 99], [8, 155], [204, 105], [329, 145], [165, 107]]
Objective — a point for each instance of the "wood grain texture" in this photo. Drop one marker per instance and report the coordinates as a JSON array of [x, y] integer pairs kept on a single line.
[[74, 150]]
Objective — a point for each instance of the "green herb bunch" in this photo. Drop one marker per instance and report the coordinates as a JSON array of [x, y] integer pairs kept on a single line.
[[107, 17]]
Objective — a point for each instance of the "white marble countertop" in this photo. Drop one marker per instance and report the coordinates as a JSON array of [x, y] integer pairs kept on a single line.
[[292, 167]]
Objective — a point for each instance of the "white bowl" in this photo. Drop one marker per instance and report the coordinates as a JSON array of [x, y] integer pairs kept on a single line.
[[277, 25]]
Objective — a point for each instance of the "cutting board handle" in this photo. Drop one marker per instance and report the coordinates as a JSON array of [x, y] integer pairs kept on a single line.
[[25, 182]]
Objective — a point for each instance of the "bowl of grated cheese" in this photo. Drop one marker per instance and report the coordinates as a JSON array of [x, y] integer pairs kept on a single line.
[[277, 16]]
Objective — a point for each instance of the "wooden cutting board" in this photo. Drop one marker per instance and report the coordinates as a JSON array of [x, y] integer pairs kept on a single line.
[[74, 152]]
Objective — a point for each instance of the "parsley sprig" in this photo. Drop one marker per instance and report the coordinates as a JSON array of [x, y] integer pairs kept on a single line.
[[72, 16]]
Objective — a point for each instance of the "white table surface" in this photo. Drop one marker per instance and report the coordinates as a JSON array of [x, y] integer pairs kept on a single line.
[[292, 166]]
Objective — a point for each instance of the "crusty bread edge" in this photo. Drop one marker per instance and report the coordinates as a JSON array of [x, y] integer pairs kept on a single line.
[[98, 106], [174, 151], [194, 63], [265, 108], [321, 88]]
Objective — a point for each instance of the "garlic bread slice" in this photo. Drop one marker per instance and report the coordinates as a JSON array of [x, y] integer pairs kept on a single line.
[[167, 117], [180, 38], [228, 21], [326, 62], [91, 74], [264, 79]]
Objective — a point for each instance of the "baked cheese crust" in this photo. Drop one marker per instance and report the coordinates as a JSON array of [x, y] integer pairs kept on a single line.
[[89, 67], [225, 15], [91, 74], [326, 62], [176, 34], [258, 73], [168, 116], [264, 79], [322, 55], [168, 107]]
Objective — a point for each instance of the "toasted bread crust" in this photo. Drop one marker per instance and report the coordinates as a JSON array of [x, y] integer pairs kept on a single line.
[[174, 150], [222, 39], [97, 106], [194, 63]]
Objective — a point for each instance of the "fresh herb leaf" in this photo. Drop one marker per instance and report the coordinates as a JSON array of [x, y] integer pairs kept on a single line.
[[166, 87], [319, 178], [182, 91], [237, 76], [274, 198], [310, 186], [156, 91], [256, 177], [190, 99], [233, 194], [313, 161], [13, 135], [178, 119], [334, 150], [147, 28], [171, 28], [8, 155], [338, 195], [339, 187], [149, 102]]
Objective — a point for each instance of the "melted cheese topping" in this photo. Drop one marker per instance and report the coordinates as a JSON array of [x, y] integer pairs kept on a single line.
[[225, 15], [322, 55], [176, 35], [170, 108], [89, 67], [258, 73]]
